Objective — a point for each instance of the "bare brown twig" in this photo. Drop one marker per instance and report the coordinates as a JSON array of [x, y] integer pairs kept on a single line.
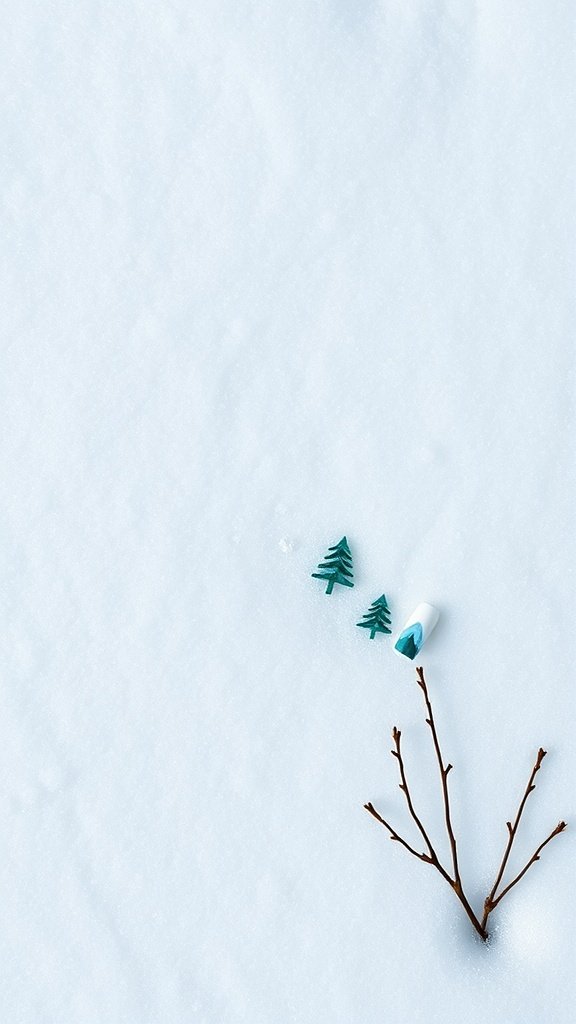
[[396, 734], [535, 856], [443, 771], [492, 900], [393, 834], [456, 882]]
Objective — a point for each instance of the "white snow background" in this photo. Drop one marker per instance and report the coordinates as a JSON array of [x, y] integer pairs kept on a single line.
[[273, 272]]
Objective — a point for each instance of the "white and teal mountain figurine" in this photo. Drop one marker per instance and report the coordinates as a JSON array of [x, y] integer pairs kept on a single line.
[[336, 567], [377, 617], [417, 630]]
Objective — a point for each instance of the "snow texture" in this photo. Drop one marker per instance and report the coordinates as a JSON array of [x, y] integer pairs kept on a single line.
[[274, 272]]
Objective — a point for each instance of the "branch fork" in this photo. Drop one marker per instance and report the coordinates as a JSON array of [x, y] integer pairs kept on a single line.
[[452, 876]]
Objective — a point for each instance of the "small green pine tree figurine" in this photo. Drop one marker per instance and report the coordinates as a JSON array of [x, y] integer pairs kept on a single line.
[[378, 618], [337, 566]]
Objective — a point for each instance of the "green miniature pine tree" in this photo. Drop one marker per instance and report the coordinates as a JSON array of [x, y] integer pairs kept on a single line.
[[378, 618], [337, 566]]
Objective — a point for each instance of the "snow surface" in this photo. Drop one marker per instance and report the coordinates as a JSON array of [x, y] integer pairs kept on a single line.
[[274, 272]]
